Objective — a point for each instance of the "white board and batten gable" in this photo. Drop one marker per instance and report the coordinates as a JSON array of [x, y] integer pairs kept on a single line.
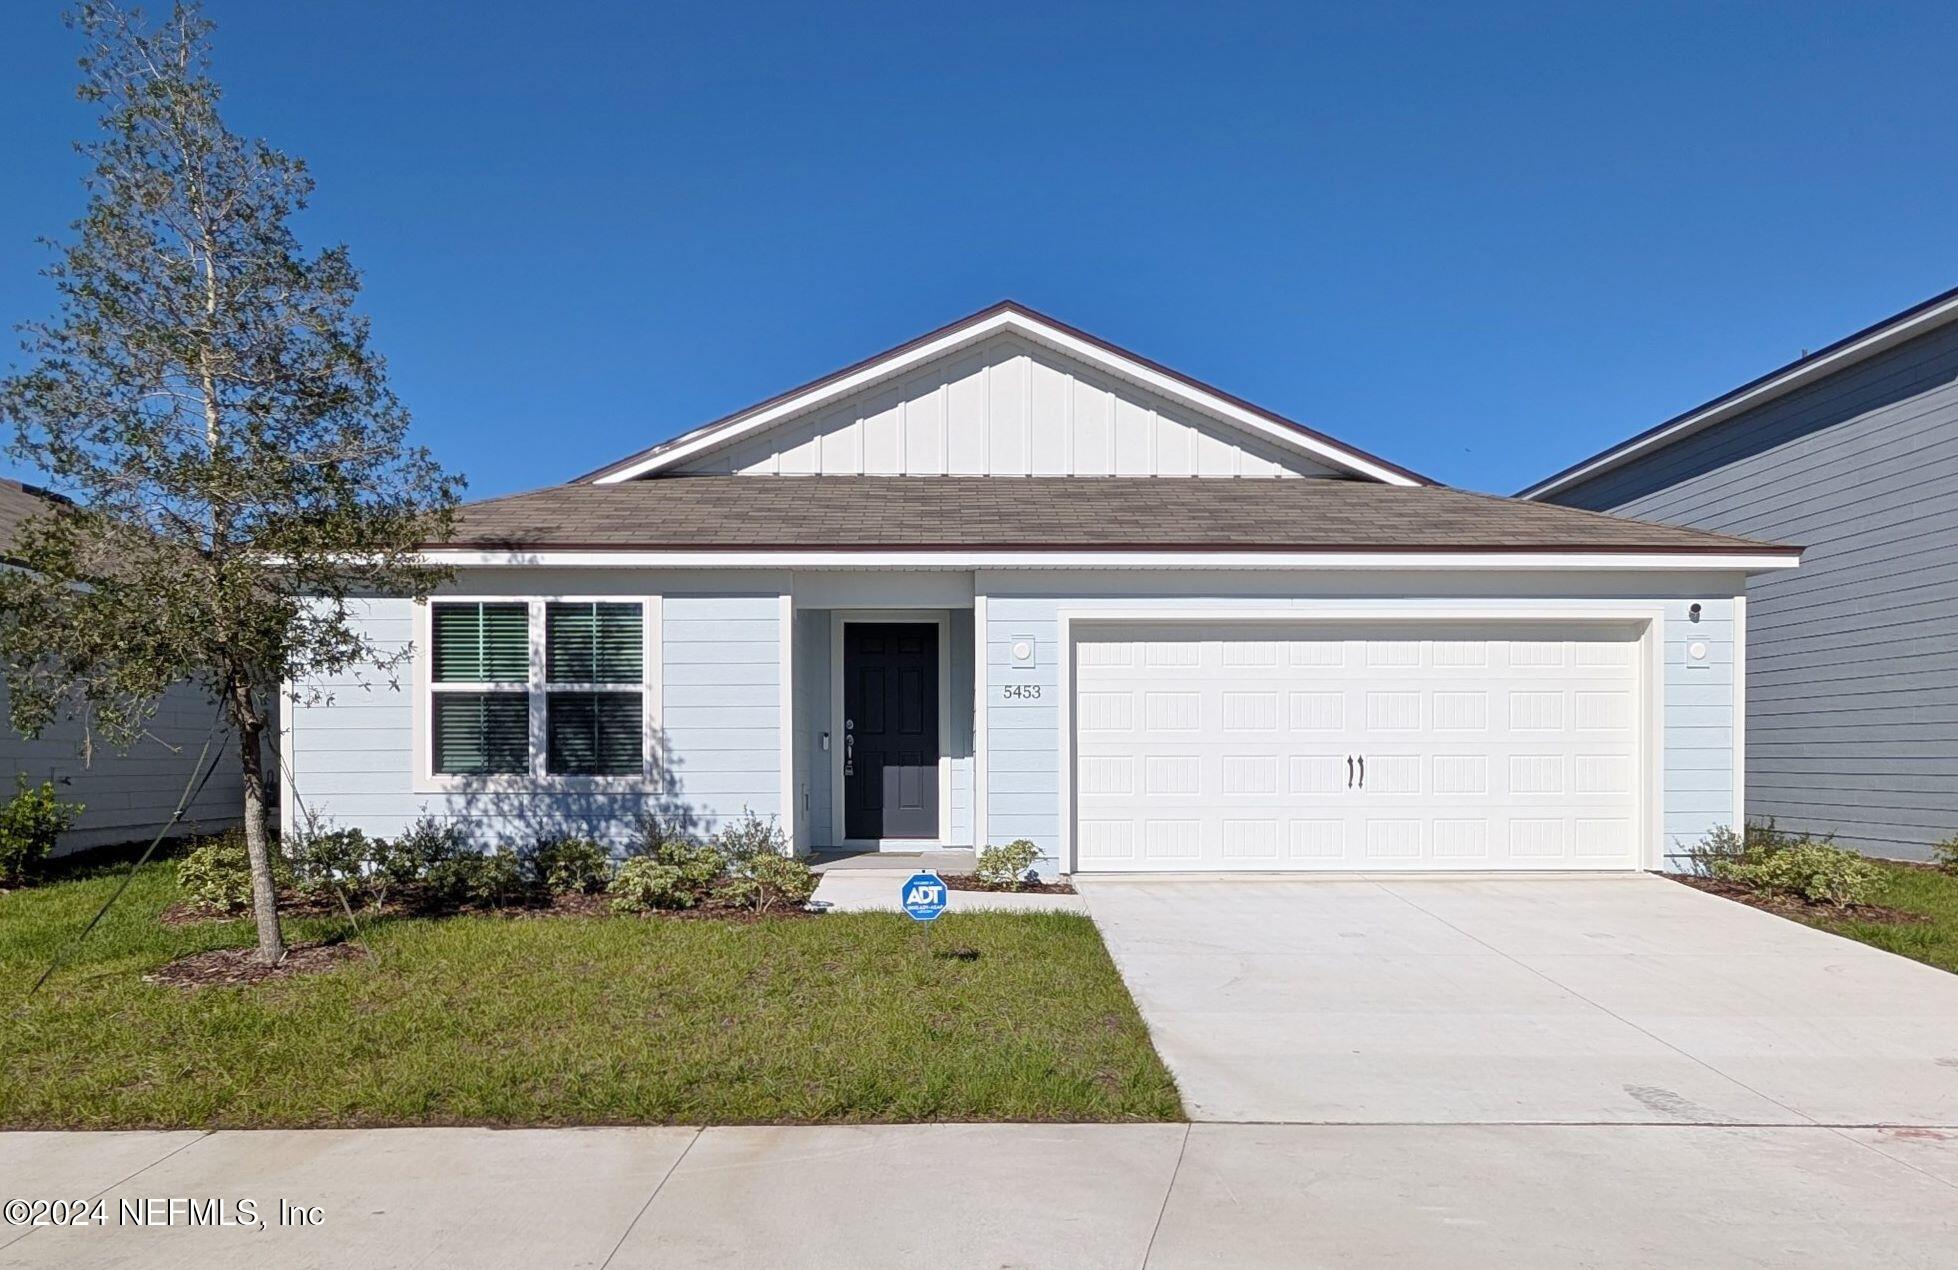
[[1006, 392]]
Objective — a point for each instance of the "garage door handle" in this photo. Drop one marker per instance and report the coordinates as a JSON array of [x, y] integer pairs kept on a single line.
[[1363, 771], [1349, 771]]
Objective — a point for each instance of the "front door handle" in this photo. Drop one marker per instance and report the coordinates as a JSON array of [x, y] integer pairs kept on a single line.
[[849, 754]]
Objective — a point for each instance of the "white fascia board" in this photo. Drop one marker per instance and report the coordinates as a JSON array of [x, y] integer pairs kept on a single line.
[[1156, 381], [979, 559], [1725, 408]]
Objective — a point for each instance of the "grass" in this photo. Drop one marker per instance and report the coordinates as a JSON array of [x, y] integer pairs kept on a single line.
[[1926, 892], [490, 1020]]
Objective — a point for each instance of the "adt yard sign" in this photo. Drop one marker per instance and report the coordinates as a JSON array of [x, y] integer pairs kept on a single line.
[[923, 896]]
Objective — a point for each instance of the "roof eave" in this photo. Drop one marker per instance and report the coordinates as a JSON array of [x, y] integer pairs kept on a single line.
[[947, 339], [1876, 338]]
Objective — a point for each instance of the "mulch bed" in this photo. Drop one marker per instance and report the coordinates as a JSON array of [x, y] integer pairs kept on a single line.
[[1796, 907], [971, 882], [189, 913], [237, 967]]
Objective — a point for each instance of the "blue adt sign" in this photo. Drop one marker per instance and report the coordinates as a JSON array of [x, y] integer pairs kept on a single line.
[[923, 896]]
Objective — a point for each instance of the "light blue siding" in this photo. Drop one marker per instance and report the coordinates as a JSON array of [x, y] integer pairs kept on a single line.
[[812, 722], [961, 731], [352, 736], [724, 751]]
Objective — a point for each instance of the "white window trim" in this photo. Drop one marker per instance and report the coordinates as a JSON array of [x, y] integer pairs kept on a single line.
[[942, 619], [428, 781], [1649, 616]]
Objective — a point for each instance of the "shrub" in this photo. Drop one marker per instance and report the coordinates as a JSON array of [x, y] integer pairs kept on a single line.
[[678, 874], [748, 839], [30, 822], [655, 831], [1770, 862], [568, 866], [489, 877], [1946, 854], [218, 873], [1008, 865], [435, 854], [332, 860], [761, 872], [767, 880]]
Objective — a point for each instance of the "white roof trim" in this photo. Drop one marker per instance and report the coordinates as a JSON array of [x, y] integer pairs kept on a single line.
[[1856, 348], [979, 328], [994, 559]]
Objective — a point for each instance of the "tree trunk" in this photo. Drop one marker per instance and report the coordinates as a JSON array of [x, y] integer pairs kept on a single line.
[[265, 899]]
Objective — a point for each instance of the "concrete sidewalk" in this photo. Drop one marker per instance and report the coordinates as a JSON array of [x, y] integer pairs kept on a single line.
[[1504, 1196]]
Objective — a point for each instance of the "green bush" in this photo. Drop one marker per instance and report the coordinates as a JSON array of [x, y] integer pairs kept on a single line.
[[490, 877], [748, 839], [217, 874], [760, 871], [676, 874], [332, 861], [1008, 865], [1946, 854], [655, 831], [30, 823], [568, 866], [433, 854], [767, 880], [1770, 862]]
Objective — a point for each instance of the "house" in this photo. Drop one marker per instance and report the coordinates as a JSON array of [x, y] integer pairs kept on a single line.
[[126, 796], [1852, 701], [1008, 581]]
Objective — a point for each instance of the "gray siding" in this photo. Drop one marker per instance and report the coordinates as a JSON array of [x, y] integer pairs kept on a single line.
[[129, 796], [1852, 668]]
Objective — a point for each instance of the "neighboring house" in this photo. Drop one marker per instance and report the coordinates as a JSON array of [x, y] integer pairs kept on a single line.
[[1010, 581], [1852, 681], [126, 796]]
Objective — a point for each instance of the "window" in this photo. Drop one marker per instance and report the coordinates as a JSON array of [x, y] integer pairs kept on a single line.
[[594, 664], [570, 673], [481, 678]]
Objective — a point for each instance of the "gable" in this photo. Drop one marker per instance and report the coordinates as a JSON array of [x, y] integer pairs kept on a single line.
[[1006, 392], [1007, 408]]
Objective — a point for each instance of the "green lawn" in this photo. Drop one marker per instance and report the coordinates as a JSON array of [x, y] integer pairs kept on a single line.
[[1924, 891], [488, 1020]]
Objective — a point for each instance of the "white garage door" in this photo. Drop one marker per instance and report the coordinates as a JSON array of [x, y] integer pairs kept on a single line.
[[1360, 748]]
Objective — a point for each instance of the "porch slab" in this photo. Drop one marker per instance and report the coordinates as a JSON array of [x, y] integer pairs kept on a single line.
[[876, 891], [938, 860]]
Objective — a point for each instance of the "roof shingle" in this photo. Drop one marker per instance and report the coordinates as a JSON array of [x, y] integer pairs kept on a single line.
[[807, 513]]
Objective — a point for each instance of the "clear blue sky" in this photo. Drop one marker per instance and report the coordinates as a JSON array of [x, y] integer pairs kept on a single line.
[[1481, 244]]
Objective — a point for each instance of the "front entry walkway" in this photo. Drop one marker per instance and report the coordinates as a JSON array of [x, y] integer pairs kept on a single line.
[[871, 882], [1600, 1000]]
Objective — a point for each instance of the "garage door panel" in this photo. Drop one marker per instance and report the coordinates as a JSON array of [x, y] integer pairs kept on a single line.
[[1361, 748]]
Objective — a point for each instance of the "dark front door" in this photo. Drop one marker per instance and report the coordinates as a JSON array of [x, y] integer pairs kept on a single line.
[[890, 730]]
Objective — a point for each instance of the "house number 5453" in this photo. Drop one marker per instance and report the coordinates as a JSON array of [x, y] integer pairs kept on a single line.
[[1020, 692]]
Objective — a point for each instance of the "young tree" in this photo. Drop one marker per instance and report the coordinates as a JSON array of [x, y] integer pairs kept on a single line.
[[239, 470]]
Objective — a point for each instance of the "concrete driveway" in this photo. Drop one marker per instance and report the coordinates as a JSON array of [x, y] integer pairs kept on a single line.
[[1570, 1000]]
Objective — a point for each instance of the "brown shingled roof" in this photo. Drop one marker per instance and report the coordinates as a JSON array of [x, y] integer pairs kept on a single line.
[[18, 502], [806, 513]]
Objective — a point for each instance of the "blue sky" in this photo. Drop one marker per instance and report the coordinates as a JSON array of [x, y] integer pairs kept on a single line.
[[1482, 244]]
